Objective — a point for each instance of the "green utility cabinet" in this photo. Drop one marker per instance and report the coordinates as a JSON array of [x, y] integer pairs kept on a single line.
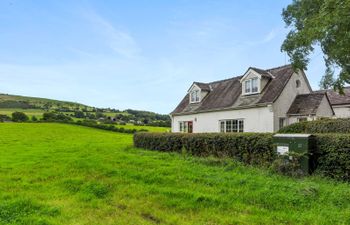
[[299, 143]]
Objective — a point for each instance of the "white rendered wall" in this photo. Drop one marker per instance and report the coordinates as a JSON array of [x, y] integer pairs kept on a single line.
[[342, 111], [255, 120]]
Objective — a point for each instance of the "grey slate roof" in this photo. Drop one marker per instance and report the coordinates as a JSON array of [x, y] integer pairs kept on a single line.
[[226, 94], [306, 104], [337, 99]]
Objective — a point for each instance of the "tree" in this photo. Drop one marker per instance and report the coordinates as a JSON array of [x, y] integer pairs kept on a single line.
[[323, 23], [327, 80], [19, 117]]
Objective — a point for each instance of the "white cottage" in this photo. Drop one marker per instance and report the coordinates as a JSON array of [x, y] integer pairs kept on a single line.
[[259, 101]]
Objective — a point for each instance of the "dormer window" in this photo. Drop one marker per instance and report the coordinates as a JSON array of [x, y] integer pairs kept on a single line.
[[195, 96], [251, 86]]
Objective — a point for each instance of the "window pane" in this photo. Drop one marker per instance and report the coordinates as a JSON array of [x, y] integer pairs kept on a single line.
[[247, 86], [185, 127], [222, 126], [241, 125], [255, 85], [234, 126], [228, 126], [181, 127], [197, 96], [192, 96]]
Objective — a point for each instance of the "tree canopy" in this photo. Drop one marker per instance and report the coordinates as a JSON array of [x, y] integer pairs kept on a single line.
[[323, 23]]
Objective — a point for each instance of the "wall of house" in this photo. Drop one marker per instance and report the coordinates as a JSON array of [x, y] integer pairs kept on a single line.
[[324, 109], [255, 120], [294, 119], [286, 98], [342, 111]]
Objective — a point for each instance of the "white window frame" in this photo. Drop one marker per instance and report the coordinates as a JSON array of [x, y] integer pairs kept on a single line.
[[195, 96], [183, 126], [248, 86], [231, 126]]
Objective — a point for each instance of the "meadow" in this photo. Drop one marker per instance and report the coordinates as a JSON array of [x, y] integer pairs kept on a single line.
[[149, 128], [66, 174]]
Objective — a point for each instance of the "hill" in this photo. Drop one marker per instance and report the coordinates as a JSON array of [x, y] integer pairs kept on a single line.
[[24, 102], [34, 106], [65, 174]]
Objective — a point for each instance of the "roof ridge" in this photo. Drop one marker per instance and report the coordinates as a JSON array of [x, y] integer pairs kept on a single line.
[[232, 78]]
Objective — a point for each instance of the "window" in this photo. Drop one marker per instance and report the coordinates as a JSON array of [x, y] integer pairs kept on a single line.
[[222, 126], [186, 126], [301, 119], [251, 86], [247, 86], [282, 122], [195, 96], [229, 126], [297, 83], [255, 85]]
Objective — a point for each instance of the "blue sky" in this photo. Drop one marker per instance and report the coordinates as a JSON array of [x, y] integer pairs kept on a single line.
[[136, 54]]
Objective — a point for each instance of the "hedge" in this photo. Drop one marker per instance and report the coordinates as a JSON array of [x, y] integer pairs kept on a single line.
[[250, 148], [319, 126], [332, 153]]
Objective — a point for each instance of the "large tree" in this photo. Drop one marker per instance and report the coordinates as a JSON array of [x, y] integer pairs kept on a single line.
[[323, 23]]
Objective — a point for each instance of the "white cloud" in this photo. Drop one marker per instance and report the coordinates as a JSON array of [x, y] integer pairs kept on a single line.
[[119, 41]]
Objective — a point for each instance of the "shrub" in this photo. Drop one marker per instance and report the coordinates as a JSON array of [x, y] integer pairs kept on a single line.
[[250, 148], [289, 165], [4, 118], [34, 119], [19, 117], [334, 155], [56, 117], [319, 126], [159, 141]]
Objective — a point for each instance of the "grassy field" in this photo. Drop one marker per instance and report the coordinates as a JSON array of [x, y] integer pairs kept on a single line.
[[149, 128], [29, 112], [65, 174]]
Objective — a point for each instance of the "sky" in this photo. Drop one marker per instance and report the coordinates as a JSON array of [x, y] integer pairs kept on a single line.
[[138, 54]]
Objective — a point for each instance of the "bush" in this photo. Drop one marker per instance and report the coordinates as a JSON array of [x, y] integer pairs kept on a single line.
[[56, 117], [250, 148], [4, 118], [19, 117], [34, 119], [289, 165], [333, 152], [319, 126]]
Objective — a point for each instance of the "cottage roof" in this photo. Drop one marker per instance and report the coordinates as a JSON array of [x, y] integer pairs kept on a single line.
[[306, 104], [226, 94]]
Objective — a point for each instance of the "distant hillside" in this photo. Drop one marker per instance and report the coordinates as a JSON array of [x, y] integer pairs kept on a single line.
[[34, 106], [24, 102]]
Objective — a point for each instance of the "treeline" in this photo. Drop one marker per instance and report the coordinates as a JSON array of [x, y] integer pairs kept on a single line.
[[62, 118]]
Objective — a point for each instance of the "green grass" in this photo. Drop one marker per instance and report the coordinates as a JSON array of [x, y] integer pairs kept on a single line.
[[65, 174], [149, 128], [29, 112]]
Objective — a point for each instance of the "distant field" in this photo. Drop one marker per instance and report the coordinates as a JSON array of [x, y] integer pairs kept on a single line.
[[149, 128], [65, 174], [39, 114], [29, 112]]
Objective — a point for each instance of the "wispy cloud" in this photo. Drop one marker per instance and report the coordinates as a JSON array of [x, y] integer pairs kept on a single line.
[[271, 35], [118, 40]]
